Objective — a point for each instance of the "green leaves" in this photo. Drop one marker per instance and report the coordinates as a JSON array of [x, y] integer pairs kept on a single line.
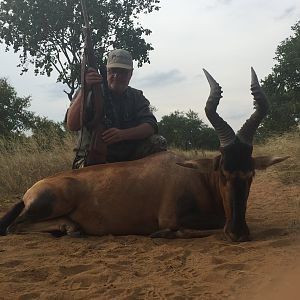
[[14, 118], [187, 131], [282, 87]]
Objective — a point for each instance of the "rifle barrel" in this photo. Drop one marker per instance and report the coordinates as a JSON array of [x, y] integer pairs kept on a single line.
[[85, 15]]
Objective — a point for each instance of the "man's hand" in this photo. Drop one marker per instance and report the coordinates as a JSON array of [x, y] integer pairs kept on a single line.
[[115, 135], [112, 136], [92, 77]]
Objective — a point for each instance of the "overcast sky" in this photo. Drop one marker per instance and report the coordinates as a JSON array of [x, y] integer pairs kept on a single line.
[[226, 37]]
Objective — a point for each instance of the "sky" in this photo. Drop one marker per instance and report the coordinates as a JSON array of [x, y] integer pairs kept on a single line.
[[226, 37]]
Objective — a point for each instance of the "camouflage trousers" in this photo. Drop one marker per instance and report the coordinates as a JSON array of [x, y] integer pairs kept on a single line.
[[155, 143]]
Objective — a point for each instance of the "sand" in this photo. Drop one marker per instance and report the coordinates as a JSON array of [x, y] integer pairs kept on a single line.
[[38, 266]]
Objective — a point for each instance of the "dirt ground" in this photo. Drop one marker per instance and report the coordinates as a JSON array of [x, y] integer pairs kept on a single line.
[[38, 266]]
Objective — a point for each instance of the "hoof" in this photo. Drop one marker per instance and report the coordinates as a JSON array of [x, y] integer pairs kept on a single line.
[[57, 233], [71, 229], [76, 234], [164, 234], [3, 232]]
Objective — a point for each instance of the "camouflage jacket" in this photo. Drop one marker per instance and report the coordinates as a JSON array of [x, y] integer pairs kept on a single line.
[[130, 110]]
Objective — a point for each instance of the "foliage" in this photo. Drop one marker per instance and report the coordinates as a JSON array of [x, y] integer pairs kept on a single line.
[[49, 33], [187, 131], [282, 87], [14, 118], [47, 132]]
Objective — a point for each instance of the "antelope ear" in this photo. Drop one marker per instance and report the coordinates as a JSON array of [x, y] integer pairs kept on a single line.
[[203, 164], [263, 162]]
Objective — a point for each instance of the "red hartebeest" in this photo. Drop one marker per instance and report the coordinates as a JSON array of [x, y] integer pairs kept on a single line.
[[161, 195]]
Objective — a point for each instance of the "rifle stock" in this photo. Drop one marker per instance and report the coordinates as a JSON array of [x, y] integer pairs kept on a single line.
[[97, 148]]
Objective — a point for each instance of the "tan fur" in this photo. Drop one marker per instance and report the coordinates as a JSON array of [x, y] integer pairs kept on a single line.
[[137, 197]]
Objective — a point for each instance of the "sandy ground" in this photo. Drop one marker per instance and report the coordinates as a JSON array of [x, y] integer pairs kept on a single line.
[[38, 266]]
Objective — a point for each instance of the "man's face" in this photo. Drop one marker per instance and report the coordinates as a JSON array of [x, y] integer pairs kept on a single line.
[[118, 79]]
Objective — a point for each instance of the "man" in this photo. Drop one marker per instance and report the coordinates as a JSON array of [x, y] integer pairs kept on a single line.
[[131, 128]]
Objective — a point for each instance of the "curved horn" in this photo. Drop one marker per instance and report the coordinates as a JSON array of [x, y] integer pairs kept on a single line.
[[225, 133], [247, 131]]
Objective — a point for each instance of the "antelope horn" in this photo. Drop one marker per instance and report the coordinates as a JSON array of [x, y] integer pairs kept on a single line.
[[247, 131], [224, 131]]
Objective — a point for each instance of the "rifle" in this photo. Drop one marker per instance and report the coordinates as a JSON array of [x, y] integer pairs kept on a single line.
[[97, 148]]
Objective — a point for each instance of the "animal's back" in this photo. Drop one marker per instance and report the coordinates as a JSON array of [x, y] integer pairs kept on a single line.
[[125, 198]]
